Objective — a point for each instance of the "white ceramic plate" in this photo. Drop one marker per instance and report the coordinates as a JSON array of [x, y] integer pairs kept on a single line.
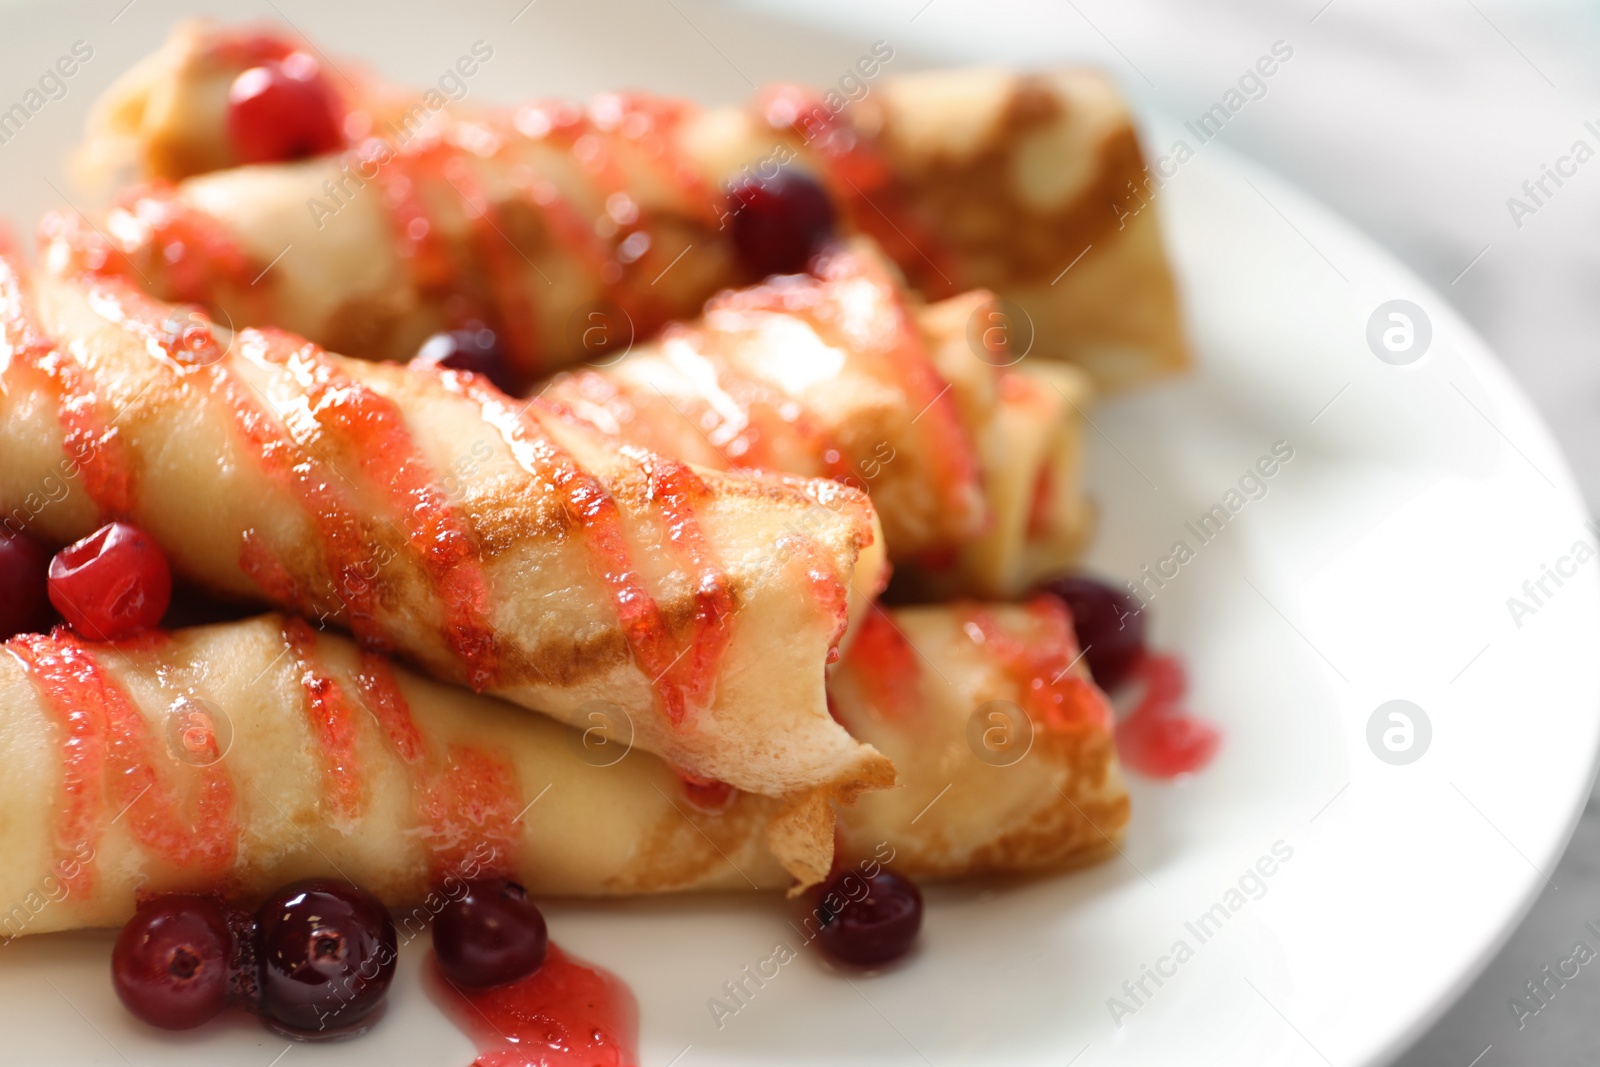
[[1377, 566]]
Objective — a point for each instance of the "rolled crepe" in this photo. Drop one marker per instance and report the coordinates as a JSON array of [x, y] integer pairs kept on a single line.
[[505, 545], [167, 115], [973, 466], [1030, 451], [241, 756], [236, 757], [1032, 186], [1004, 745]]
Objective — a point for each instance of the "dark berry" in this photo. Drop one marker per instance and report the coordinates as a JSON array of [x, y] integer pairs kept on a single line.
[[868, 920], [171, 964], [284, 110], [779, 223], [1110, 626], [489, 935], [327, 952], [474, 351], [24, 590], [112, 584]]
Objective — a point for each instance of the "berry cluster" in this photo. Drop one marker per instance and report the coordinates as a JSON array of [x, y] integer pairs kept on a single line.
[[317, 957]]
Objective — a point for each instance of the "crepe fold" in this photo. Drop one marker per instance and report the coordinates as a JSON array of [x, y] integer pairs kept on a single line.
[[576, 228], [236, 757], [505, 545], [973, 465], [1004, 745]]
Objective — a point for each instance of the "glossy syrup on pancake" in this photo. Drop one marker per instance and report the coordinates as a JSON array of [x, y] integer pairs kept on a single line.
[[681, 681], [1042, 668], [108, 756], [465, 798], [440, 163], [376, 431], [373, 428], [91, 442]]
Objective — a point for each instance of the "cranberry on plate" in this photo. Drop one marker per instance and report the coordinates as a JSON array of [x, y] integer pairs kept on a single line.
[[779, 223], [112, 584], [869, 920], [474, 351], [327, 951], [490, 935], [1109, 625], [24, 587], [171, 964], [284, 110]]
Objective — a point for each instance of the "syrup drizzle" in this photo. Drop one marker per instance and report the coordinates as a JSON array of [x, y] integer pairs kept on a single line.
[[83, 754], [508, 284], [444, 546], [191, 254], [853, 299], [565, 1014], [231, 47], [262, 566], [652, 123], [346, 546], [471, 800], [1053, 695], [389, 456], [590, 135], [678, 490], [861, 179], [337, 403], [883, 663], [747, 420], [198, 256], [90, 442], [388, 705], [446, 157], [83, 694], [419, 240], [592, 510], [828, 592], [468, 800], [332, 720]]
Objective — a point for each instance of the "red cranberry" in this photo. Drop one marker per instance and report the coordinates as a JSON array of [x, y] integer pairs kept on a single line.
[[474, 351], [284, 110], [327, 951], [171, 964], [112, 584], [24, 592], [1109, 625], [869, 920], [490, 935], [779, 223]]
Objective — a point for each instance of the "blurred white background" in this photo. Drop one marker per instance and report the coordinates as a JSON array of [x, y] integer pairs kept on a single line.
[[1417, 120]]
